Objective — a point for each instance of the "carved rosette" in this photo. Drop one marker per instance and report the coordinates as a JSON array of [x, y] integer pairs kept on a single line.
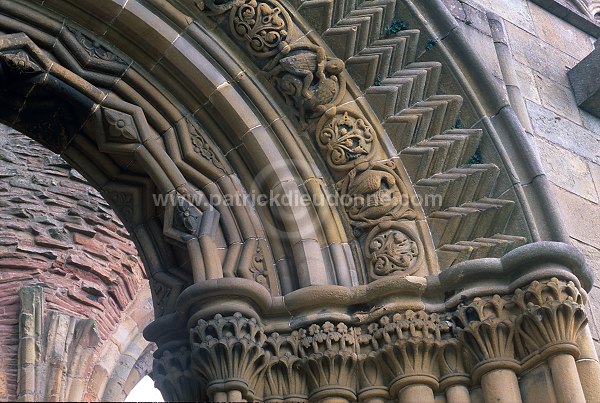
[[346, 139], [373, 193], [121, 127], [228, 352], [393, 249], [261, 25], [552, 317]]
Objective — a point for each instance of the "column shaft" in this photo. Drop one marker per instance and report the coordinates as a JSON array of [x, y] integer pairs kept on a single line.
[[566, 379], [501, 386], [588, 366], [416, 394], [458, 394]]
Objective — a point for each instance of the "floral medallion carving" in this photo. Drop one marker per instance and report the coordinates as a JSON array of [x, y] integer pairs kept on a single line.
[[121, 127], [393, 249], [187, 217], [262, 25], [202, 147], [373, 193], [308, 79], [347, 139]]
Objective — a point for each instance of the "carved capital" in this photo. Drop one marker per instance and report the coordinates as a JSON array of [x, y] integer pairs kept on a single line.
[[329, 358], [173, 375], [228, 353], [551, 319], [487, 330], [284, 378], [452, 366]]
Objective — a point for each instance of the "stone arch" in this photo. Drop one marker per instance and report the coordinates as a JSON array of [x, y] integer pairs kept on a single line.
[[179, 115], [67, 262]]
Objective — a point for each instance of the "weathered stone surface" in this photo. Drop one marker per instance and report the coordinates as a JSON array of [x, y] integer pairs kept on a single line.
[[527, 84], [595, 170], [514, 11], [560, 34], [564, 133], [558, 99], [581, 216], [566, 169], [535, 53], [592, 254], [35, 244]]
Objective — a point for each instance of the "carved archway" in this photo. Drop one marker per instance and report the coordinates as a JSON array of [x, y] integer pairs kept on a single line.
[[207, 101]]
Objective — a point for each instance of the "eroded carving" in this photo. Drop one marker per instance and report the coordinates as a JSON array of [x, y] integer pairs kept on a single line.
[[217, 7], [20, 63], [202, 147], [376, 193], [173, 376], [123, 203], [308, 79], [346, 139], [258, 268]]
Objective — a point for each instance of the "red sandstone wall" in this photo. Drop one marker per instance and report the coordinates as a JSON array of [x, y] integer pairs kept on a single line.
[[58, 232]]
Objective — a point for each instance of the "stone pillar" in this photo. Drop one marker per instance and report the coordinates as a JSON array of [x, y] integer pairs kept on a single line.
[[588, 366]]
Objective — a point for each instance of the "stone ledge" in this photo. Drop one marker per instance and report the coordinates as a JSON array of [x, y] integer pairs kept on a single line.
[[585, 82]]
